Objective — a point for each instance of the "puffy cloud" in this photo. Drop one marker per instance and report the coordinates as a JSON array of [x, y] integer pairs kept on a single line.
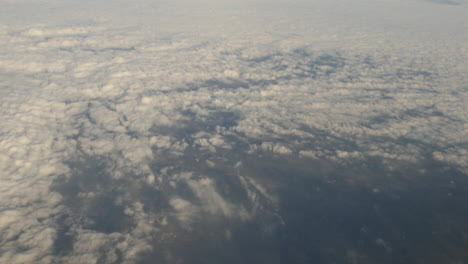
[[195, 96], [184, 209]]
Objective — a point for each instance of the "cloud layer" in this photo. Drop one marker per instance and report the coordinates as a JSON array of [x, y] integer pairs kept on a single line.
[[117, 135]]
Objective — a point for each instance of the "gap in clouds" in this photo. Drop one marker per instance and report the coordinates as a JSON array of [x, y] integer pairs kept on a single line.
[[300, 209]]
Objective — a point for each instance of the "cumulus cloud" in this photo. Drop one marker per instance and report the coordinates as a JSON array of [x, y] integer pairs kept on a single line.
[[151, 121]]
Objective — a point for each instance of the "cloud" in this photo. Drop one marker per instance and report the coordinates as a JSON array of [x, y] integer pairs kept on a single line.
[[213, 202], [146, 123]]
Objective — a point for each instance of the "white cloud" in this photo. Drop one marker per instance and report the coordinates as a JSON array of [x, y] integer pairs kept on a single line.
[[132, 91], [185, 210]]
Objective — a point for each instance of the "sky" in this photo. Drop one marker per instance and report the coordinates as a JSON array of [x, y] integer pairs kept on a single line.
[[134, 130]]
